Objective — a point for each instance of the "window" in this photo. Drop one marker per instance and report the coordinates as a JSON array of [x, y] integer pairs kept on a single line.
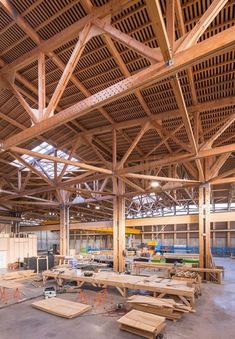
[[43, 165]]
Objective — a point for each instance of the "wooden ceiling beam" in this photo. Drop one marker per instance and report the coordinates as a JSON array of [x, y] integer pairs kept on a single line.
[[203, 23], [41, 85], [146, 51], [66, 35], [184, 112], [6, 4], [156, 16], [133, 145], [208, 143], [68, 70], [158, 178], [218, 164], [202, 107], [32, 169], [60, 160], [180, 158], [23, 102], [221, 42], [170, 23], [132, 184], [191, 170], [127, 74]]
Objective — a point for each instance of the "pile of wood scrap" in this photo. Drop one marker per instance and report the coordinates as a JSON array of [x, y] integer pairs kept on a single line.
[[187, 274], [143, 324], [19, 275], [164, 307], [61, 307]]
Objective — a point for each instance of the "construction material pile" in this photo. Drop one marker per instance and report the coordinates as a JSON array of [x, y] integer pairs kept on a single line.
[[163, 307]]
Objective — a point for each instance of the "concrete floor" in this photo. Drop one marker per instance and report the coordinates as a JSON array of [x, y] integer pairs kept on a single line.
[[214, 317]]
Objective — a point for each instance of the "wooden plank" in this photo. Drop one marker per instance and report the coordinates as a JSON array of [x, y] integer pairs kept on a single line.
[[146, 323], [61, 307]]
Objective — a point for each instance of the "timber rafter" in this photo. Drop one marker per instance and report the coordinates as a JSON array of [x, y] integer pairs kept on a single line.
[[150, 81]]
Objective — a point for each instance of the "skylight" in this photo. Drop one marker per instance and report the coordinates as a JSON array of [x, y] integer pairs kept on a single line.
[[43, 165]]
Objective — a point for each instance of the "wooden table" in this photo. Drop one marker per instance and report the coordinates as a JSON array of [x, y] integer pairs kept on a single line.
[[159, 287], [217, 271], [138, 265]]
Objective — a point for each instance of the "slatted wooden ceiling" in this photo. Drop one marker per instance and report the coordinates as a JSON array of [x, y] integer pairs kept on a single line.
[[97, 69]]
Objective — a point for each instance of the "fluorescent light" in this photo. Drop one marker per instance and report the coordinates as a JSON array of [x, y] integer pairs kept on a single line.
[[97, 207], [155, 184]]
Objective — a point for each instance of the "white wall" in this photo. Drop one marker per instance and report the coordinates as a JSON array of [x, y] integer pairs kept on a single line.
[[17, 248]]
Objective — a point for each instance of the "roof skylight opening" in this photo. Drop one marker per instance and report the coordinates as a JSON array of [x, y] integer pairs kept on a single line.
[[43, 165]]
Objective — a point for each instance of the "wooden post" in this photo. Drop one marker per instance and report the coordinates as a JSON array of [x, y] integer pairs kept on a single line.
[[201, 227], [118, 226], [63, 197], [174, 235], [207, 226], [204, 226], [228, 234], [213, 234], [64, 229], [142, 234], [187, 235]]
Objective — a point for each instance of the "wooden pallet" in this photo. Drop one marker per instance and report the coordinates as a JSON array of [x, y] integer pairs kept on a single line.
[[164, 307], [61, 307], [143, 324]]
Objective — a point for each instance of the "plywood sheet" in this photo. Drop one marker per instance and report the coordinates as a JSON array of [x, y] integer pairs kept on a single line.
[[61, 307], [146, 322]]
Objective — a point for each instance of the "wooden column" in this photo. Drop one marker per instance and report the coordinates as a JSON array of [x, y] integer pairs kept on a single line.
[[228, 234], [174, 235], [187, 235], [119, 226], [213, 234], [201, 227], [204, 226], [142, 234], [63, 197], [64, 229]]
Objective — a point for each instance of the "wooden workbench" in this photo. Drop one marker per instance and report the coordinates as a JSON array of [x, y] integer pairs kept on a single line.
[[159, 287], [138, 265]]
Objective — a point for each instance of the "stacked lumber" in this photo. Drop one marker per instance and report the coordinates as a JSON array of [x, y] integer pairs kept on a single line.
[[19, 275], [61, 307], [143, 324], [167, 308]]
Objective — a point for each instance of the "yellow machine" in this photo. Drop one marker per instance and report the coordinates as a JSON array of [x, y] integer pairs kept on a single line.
[[151, 245]]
